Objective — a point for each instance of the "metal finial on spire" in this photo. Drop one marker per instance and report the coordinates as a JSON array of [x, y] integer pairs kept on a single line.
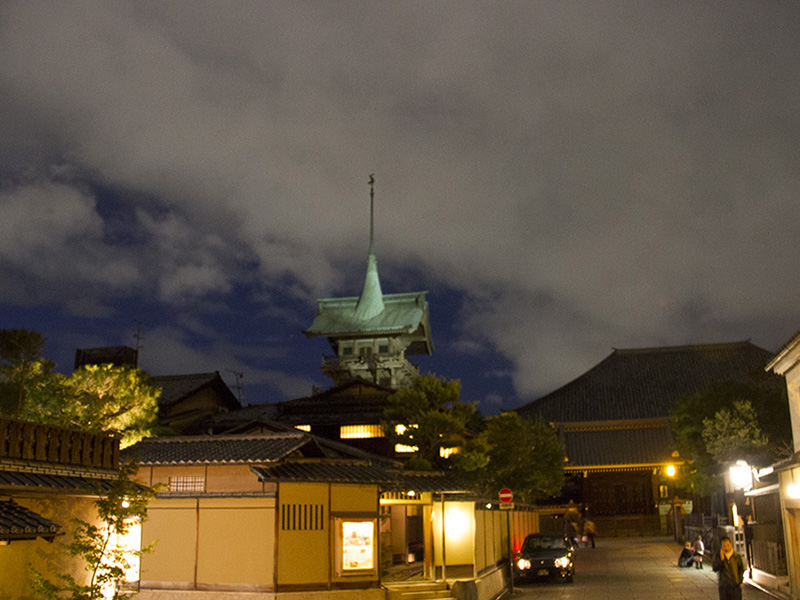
[[371, 209], [370, 303]]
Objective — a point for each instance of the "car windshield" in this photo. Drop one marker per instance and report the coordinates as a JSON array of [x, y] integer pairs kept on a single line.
[[542, 542]]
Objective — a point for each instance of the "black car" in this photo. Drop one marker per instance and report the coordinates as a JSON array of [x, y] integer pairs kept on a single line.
[[545, 556]]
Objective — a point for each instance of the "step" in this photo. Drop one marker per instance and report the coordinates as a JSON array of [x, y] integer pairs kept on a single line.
[[418, 591]]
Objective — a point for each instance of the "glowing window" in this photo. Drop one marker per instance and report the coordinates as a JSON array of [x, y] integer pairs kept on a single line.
[[357, 545], [447, 452], [400, 429], [303, 427], [403, 448], [356, 432], [187, 484]]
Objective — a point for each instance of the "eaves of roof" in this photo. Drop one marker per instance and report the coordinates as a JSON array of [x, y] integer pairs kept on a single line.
[[328, 470], [20, 523], [16, 480], [337, 317], [626, 446], [223, 449], [775, 363]]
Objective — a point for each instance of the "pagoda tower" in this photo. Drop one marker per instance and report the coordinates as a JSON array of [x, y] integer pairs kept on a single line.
[[372, 335]]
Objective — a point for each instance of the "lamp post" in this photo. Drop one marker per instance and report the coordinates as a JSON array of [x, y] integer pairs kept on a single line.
[[741, 478]]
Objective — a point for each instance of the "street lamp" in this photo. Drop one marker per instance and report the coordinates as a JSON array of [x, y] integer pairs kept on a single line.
[[741, 478], [793, 490], [741, 475]]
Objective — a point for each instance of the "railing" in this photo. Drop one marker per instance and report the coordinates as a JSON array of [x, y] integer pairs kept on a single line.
[[45, 443]]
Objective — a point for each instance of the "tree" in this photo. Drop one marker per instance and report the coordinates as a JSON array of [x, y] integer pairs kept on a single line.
[[430, 416], [735, 435], [98, 398], [94, 398], [106, 560], [526, 456], [20, 360], [738, 432]]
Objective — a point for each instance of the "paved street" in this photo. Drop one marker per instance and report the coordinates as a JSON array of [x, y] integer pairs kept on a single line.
[[634, 569]]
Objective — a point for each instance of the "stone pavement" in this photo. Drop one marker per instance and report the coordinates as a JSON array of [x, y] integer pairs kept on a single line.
[[633, 569]]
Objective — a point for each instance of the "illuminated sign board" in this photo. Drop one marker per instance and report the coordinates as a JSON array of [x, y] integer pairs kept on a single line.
[[358, 538]]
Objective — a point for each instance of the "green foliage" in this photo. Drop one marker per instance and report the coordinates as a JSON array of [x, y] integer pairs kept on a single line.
[[734, 435], [105, 561], [98, 398], [523, 455], [431, 416], [757, 434], [20, 362]]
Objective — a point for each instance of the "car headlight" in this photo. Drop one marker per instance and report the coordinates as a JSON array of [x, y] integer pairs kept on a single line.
[[523, 564], [562, 562]]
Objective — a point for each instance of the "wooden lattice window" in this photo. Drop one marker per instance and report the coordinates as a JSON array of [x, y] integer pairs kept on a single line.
[[302, 517]]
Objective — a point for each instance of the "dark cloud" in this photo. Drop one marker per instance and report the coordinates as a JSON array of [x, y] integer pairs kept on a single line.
[[584, 175]]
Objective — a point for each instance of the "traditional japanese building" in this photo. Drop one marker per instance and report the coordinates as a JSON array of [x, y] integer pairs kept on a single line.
[[615, 426], [787, 363], [372, 335]]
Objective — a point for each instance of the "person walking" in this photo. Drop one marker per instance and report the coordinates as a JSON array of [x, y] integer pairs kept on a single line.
[[729, 567]]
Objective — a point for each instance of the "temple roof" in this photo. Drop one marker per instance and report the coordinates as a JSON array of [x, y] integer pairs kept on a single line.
[[645, 383], [603, 444], [404, 313]]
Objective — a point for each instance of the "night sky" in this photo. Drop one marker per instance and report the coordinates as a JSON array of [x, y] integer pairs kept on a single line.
[[563, 178]]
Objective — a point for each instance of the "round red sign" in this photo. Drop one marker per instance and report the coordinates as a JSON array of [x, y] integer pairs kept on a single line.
[[505, 495]]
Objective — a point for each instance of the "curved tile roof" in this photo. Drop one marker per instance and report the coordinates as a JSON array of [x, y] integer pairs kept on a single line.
[[20, 523], [253, 448], [645, 383]]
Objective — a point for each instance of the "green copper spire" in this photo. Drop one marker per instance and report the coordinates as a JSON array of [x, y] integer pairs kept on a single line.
[[370, 304]]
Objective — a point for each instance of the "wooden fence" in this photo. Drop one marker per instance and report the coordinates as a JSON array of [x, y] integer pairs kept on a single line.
[[45, 443]]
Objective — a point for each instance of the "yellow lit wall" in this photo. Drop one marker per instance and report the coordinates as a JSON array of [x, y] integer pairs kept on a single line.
[[151, 476], [172, 525], [303, 550], [226, 478], [210, 543], [237, 538], [354, 498], [17, 557]]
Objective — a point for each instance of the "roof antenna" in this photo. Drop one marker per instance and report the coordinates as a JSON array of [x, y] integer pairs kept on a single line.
[[239, 384], [138, 337]]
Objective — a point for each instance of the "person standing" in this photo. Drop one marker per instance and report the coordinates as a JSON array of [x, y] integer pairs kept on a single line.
[[699, 552], [729, 567], [589, 531]]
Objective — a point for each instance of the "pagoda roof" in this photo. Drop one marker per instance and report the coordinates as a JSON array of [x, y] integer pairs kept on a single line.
[[645, 383], [402, 313]]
